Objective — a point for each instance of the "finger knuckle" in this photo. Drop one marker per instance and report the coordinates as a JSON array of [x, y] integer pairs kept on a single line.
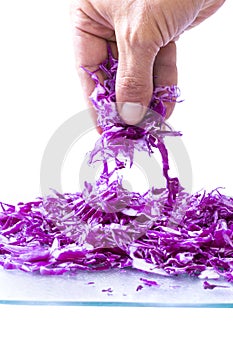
[[132, 87], [131, 82]]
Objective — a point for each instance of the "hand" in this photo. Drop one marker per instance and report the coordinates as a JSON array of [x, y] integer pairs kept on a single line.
[[142, 35]]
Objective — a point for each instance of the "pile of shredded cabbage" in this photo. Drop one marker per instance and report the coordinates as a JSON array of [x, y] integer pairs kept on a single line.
[[166, 231]]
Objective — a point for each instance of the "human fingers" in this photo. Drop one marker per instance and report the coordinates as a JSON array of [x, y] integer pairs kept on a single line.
[[209, 7], [134, 80], [165, 71], [90, 50]]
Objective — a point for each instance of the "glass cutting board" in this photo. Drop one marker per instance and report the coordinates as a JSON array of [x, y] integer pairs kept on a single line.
[[111, 288]]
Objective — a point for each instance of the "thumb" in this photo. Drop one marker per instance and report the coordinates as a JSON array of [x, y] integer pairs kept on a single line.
[[134, 81]]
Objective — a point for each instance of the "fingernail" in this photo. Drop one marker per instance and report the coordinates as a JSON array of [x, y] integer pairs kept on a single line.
[[131, 113]]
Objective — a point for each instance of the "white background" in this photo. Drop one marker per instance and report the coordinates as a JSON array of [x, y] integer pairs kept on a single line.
[[39, 90]]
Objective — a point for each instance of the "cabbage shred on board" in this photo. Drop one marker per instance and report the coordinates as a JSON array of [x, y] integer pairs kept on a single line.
[[166, 231]]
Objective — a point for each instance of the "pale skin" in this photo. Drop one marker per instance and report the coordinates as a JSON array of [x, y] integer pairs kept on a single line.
[[142, 35]]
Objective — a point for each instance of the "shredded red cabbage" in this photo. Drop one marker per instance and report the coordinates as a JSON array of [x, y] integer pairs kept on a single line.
[[108, 290], [207, 285], [166, 231], [149, 282], [139, 287]]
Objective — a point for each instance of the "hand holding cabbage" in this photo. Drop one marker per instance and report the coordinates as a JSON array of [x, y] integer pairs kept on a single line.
[[142, 35]]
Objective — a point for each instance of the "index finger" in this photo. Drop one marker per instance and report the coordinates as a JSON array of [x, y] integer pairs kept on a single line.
[[90, 51]]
